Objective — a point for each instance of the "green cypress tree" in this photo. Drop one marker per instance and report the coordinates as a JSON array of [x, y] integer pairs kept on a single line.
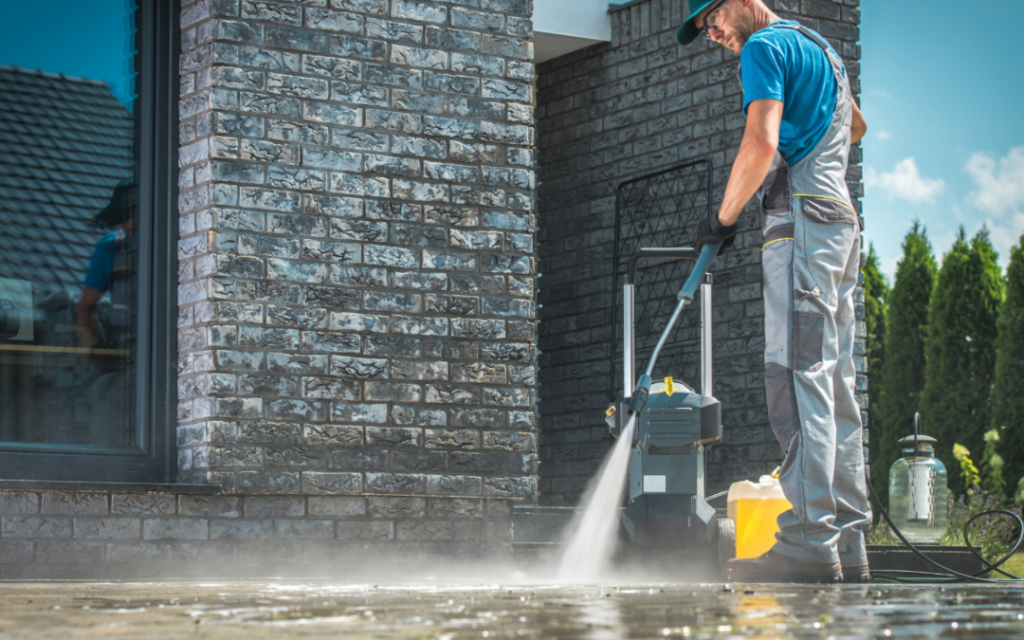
[[876, 293], [903, 368], [1008, 394], [960, 349]]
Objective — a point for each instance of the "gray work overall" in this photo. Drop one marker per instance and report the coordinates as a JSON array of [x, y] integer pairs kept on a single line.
[[811, 260]]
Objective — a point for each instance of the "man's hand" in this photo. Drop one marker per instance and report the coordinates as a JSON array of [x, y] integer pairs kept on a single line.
[[711, 231], [760, 143]]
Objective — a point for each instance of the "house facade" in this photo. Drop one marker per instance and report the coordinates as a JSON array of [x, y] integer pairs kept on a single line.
[[329, 280]]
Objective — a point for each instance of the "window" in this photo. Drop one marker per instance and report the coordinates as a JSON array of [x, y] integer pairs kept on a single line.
[[87, 97]]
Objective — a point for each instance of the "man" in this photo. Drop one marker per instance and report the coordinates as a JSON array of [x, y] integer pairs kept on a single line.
[[109, 270], [801, 120]]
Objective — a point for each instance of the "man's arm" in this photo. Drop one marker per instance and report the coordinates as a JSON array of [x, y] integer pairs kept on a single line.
[[760, 142], [859, 126], [83, 316]]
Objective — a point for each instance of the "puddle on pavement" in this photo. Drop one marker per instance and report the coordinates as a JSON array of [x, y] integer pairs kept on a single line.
[[254, 610]]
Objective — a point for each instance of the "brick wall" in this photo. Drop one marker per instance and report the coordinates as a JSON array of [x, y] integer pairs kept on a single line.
[[618, 111], [113, 534], [356, 273]]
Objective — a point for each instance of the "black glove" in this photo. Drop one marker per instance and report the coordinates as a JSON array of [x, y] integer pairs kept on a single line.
[[711, 231]]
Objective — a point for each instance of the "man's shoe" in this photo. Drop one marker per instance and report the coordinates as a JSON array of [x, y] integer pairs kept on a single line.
[[857, 575], [774, 567]]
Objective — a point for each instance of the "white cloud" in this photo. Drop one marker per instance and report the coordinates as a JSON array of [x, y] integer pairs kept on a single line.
[[905, 182], [999, 182], [883, 135], [999, 192]]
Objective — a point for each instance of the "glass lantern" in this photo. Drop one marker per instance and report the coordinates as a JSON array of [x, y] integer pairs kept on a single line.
[[917, 490]]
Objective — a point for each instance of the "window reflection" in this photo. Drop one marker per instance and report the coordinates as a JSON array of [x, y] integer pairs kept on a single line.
[[68, 215]]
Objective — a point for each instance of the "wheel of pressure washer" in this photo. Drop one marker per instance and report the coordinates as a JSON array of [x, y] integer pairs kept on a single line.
[[726, 540]]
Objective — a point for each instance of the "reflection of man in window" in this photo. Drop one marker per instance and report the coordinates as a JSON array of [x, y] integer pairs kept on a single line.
[[109, 270]]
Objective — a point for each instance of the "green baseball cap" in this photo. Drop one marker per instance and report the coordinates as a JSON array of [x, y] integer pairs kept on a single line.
[[122, 204], [688, 31]]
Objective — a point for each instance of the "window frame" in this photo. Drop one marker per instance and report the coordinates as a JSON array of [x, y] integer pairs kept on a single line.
[[154, 459]]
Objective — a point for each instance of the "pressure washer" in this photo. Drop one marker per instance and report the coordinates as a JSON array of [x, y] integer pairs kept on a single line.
[[671, 423]]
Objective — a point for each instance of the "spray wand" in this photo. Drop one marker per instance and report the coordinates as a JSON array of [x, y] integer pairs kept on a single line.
[[638, 399]]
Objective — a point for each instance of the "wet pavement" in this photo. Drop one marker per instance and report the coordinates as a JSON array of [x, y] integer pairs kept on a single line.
[[253, 610]]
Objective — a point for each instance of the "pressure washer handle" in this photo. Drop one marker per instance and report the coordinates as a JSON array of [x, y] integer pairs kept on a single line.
[[707, 254]]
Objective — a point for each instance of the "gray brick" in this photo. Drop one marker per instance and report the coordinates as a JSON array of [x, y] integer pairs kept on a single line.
[[330, 67], [263, 506], [373, 7], [262, 529], [334, 21], [418, 57], [108, 528], [297, 39], [175, 528], [331, 483], [143, 504], [395, 31], [419, 461], [360, 48], [394, 483], [333, 435], [19, 502], [35, 527], [139, 552], [418, 416], [271, 12], [75, 503], [419, 11], [454, 485], [365, 530], [304, 528], [425, 530], [336, 506], [395, 507], [361, 94]]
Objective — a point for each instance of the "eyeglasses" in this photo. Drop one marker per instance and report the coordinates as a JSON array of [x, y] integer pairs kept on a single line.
[[709, 23]]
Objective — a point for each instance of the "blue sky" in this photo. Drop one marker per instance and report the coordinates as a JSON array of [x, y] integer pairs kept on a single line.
[[84, 38], [946, 136]]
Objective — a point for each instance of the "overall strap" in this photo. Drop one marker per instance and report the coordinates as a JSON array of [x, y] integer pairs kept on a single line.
[[815, 38]]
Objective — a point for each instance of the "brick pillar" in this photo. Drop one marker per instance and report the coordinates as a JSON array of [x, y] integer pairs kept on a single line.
[[619, 111], [356, 281]]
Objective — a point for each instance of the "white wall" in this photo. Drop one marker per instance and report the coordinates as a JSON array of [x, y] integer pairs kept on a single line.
[[587, 19], [563, 26]]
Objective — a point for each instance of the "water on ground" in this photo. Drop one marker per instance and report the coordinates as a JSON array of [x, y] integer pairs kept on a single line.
[[254, 610]]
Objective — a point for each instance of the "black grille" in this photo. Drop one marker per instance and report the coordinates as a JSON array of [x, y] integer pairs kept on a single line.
[[659, 210]]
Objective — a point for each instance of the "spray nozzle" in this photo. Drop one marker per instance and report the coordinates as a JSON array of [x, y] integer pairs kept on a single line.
[[639, 398]]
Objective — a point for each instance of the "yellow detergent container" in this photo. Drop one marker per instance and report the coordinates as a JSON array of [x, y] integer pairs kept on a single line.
[[753, 508]]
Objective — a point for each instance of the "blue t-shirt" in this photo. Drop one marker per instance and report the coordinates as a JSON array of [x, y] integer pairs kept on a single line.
[[786, 65], [101, 266]]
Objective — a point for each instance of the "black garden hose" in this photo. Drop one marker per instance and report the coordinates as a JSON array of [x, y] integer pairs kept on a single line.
[[946, 574]]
